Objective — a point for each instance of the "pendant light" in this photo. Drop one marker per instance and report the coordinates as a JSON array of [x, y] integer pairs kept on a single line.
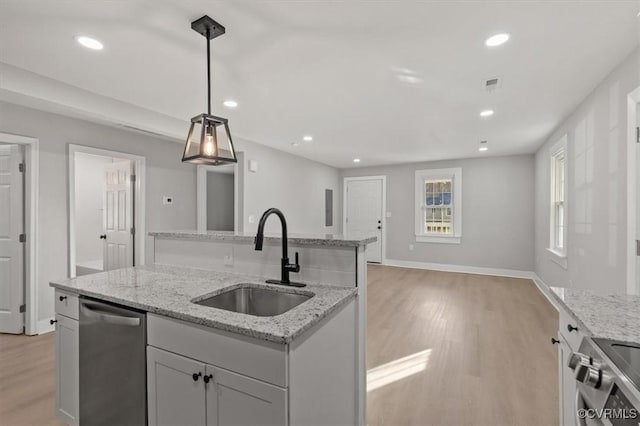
[[209, 140]]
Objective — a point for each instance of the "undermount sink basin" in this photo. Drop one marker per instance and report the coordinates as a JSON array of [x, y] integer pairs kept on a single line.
[[261, 302]]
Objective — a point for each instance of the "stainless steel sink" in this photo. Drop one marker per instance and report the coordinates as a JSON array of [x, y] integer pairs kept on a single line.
[[261, 302]]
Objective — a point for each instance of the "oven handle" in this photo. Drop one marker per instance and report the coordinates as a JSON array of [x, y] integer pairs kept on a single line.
[[579, 404], [103, 316]]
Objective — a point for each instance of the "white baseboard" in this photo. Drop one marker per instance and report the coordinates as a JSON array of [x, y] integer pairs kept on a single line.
[[498, 272], [44, 326]]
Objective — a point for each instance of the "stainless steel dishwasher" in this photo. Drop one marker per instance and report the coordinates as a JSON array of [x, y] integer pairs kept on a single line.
[[113, 378]]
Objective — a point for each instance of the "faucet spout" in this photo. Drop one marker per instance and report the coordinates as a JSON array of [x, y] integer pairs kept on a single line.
[[285, 266]]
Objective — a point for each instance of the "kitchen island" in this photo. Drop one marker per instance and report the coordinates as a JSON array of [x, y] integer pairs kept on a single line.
[[215, 366]]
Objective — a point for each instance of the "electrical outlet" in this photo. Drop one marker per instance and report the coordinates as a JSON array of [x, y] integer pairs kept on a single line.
[[388, 214], [228, 259], [252, 219], [166, 200], [410, 247]]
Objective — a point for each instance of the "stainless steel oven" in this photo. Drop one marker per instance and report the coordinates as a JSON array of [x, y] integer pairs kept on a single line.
[[608, 382]]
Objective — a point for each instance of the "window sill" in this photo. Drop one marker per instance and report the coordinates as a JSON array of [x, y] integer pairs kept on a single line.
[[437, 239], [558, 257]]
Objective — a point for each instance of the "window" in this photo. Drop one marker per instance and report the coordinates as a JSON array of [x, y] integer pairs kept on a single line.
[[438, 205], [558, 204]]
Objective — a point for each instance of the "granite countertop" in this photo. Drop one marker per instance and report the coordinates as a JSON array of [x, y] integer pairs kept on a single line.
[[170, 290], [329, 240], [613, 316]]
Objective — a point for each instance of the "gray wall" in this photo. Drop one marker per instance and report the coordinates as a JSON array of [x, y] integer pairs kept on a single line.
[[291, 183], [219, 201], [596, 197], [166, 175], [497, 213]]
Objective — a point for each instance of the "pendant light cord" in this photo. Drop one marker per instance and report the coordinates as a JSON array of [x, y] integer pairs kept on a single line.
[[208, 74]]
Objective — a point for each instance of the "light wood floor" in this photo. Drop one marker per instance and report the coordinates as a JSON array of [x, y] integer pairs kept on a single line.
[[481, 350], [27, 380], [468, 350]]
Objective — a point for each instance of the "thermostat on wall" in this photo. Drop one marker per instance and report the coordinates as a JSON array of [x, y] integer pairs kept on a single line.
[[167, 200]]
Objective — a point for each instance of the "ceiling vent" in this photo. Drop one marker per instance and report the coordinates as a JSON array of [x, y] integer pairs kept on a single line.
[[492, 83]]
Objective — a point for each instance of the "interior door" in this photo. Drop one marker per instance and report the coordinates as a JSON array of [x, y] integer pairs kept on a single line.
[[118, 216], [638, 205], [364, 214], [11, 249]]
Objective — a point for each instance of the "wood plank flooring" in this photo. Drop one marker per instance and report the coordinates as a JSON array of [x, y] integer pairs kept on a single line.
[[443, 349], [27, 380], [468, 350]]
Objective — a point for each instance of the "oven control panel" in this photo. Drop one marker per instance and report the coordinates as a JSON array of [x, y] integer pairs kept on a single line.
[[621, 411]]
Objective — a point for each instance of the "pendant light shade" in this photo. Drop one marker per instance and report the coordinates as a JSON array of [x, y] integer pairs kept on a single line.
[[209, 139]]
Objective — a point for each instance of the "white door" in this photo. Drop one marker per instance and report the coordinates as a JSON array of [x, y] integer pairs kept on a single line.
[[638, 205], [173, 396], [365, 214], [234, 399], [118, 216], [11, 249]]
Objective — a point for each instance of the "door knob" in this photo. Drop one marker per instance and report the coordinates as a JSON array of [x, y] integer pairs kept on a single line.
[[196, 376], [379, 227], [103, 237], [571, 328], [554, 341], [53, 321], [62, 298], [208, 378]]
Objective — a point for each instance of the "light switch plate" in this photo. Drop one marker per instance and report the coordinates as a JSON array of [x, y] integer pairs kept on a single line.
[[167, 199], [252, 219], [388, 214], [253, 166]]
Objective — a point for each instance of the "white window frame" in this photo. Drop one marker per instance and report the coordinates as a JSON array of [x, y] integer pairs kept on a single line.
[[455, 174], [559, 254]]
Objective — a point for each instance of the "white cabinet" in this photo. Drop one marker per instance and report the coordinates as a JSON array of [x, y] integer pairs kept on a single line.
[[233, 399], [188, 392], [567, 384], [570, 336], [67, 369], [174, 397]]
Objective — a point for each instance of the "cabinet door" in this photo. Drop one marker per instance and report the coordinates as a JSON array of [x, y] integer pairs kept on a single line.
[[234, 399], [567, 383], [174, 397], [67, 369]]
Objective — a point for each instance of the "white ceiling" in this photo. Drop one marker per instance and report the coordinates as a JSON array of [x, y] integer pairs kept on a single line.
[[330, 69]]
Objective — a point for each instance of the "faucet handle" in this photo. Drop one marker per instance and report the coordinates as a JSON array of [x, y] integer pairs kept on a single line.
[[296, 266]]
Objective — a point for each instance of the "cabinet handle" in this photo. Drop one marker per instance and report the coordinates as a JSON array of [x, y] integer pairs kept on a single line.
[[571, 328], [62, 298], [196, 376], [554, 341], [208, 378], [103, 237], [53, 321]]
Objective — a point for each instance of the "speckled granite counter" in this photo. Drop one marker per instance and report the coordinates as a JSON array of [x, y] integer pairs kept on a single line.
[[608, 316], [328, 240], [170, 290]]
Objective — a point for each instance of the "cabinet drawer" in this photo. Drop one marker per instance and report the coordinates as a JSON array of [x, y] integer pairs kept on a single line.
[[66, 304], [574, 337], [259, 359]]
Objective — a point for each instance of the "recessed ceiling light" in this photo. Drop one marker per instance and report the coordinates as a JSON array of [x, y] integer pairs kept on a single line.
[[356, 160], [308, 138], [486, 113], [230, 104], [90, 43], [497, 40]]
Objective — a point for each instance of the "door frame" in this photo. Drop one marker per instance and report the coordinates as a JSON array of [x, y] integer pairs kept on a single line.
[[383, 179], [201, 195], [31, 157], [633, 99], [139, 200]]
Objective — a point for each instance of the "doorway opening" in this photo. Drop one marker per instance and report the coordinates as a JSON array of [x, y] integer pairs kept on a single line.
[[106, 210], [364, 215], [219, 197]]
